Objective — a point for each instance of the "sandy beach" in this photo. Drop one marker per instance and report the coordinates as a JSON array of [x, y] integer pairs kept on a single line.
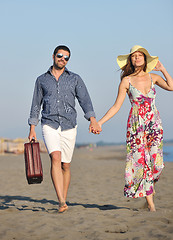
[[97, 208]]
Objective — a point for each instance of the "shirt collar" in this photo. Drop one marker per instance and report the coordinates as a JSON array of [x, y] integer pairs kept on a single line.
[[50, 70]]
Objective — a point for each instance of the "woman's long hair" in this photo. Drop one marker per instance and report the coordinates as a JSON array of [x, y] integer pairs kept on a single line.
[[129, 68]]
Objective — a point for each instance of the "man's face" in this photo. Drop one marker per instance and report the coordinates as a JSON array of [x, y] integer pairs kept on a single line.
[[60, 59]]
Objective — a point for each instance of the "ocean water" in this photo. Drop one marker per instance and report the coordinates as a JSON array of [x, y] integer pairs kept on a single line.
[[168, 153]]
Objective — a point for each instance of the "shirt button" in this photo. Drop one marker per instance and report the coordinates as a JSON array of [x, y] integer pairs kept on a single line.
[[57, 100]]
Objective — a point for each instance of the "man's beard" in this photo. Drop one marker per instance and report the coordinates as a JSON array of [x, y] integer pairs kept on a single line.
[[56, 66]]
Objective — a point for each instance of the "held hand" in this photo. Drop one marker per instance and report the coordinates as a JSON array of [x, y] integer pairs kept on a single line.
[[94, 126], [159, 67], [99, 129]]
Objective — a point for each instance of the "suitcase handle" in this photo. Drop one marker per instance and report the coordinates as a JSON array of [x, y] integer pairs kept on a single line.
[[32, 140]]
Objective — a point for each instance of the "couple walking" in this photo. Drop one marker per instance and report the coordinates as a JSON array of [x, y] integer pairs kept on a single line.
[[55, 91]]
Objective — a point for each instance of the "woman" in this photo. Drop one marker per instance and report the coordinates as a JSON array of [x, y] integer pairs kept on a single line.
[[144, 162]]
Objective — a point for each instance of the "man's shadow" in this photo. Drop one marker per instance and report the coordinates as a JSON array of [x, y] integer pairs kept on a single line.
[[100, 207], [7, 202]]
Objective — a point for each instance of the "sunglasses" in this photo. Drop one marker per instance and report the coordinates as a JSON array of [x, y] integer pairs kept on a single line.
[[60, 55]]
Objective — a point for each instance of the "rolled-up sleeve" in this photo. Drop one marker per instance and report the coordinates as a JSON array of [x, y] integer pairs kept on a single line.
[[84, 99], [36, 104]]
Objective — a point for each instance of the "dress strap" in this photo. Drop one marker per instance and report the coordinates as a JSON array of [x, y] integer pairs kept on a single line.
[[128, 79], [150, 77], [151, 80]]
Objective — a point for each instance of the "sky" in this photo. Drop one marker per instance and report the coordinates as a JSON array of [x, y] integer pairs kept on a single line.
[[96, 31]]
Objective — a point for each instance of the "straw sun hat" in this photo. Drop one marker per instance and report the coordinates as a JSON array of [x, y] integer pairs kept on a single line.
[[151, 60]]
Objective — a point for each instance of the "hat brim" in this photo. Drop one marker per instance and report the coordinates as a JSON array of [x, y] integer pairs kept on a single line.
[[151, 60]]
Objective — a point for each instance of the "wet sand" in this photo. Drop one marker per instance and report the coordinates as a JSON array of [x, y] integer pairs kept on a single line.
[[97, 208]]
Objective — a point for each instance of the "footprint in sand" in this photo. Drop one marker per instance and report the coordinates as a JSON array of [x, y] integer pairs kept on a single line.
[[122, 228]]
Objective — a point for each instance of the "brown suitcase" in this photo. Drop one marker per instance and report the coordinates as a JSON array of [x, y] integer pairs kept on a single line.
[[33, 165]]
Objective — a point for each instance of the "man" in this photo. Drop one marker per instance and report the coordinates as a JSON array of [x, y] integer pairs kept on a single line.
[[55, 91]]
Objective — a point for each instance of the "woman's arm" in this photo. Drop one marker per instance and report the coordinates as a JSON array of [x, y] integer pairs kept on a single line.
[[168, 84], [123, 88]]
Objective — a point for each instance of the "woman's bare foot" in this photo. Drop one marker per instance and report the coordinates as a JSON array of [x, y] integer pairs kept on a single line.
[[152, 208], [150, 202]]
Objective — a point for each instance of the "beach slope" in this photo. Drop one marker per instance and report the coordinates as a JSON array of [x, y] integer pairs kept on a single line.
[[97, 208]]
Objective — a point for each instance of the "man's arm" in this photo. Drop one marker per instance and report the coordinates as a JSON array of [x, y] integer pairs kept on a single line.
[[86, 105], [35, 110]]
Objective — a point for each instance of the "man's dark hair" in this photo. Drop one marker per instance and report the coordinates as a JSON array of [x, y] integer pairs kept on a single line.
[[63, 47]]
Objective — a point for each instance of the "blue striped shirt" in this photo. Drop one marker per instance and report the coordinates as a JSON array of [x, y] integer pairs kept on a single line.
[[57, 100]]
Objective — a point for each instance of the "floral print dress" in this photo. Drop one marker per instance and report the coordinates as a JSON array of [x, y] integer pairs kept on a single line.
[[144, 161]]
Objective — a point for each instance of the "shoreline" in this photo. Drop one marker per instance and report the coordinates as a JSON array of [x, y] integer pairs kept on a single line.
[[16, 146]]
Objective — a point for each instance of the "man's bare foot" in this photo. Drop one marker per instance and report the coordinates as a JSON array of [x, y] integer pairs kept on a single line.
[[63, 208]]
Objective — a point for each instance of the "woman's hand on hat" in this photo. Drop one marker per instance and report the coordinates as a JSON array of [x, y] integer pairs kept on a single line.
[[159, 66]]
